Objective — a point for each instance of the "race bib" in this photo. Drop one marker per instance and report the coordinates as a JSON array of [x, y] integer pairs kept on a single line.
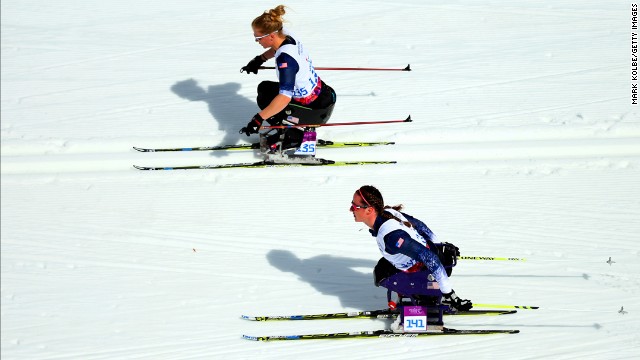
[[415, 319], [308, 146]]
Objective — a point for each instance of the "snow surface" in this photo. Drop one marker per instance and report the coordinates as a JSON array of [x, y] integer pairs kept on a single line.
[[524, 144]]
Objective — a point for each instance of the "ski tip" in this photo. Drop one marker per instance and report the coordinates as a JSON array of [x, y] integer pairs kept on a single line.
[[140, 149], [408, 119], [252, 338], [247, 317], [151, 168], [408, 68]]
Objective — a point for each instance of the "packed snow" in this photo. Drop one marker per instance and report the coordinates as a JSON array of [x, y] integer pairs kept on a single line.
[[525, 143]]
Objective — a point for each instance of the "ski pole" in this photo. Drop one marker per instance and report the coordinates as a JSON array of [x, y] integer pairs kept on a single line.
[[502, 306], [491, 258], [408, 68], [335, 124], [525, 307]]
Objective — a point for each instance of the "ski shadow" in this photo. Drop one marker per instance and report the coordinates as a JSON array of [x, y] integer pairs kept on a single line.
[[335, 276], [231, 110]]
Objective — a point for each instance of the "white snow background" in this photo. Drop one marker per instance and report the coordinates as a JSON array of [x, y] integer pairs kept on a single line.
[[524, 144]]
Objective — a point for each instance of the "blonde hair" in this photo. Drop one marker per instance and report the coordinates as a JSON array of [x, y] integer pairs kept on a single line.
[[270, 21]]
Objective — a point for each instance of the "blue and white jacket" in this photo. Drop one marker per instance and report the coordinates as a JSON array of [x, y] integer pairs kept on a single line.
[[296, 75], [405, 246]]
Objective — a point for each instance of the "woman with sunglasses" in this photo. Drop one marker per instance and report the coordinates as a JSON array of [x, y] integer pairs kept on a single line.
[[299, 89], [404, 241]]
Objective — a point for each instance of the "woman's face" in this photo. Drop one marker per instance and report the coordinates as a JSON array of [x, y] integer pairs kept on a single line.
[[265, 40], [358, 207]]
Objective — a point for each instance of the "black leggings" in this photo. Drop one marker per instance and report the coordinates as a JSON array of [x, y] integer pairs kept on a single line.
[[268, 90]]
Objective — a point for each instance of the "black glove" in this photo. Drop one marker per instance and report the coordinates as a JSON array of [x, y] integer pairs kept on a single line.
[[253, 126], [448, 254], [455, 303], [253, 65]]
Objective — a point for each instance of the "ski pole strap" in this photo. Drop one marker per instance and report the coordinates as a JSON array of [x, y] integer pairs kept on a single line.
[[502, 306], [408, 68], [490, 258]]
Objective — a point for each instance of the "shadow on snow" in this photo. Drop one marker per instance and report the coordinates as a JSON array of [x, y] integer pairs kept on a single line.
[[335, 276], [231, 110]]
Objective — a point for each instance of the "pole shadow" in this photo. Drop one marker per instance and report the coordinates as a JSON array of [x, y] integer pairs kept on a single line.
[[583, 276], [231, 110], [335, 276]]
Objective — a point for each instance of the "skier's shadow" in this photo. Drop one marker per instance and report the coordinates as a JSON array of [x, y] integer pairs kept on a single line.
[[231, 110], [335, 276]]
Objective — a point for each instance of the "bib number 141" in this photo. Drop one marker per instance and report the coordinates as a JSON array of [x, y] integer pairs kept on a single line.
[[415, 319]]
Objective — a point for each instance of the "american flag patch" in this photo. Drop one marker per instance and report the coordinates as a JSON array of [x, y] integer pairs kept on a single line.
[[282, 66], [400, 242]]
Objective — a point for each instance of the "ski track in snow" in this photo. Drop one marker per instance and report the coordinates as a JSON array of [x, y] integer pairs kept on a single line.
[[523, 144], [618, 143]]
